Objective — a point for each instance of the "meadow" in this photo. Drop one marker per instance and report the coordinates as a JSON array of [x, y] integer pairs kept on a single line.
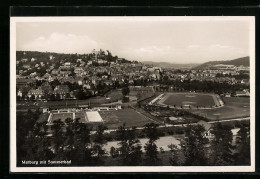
[[234, 107], [114, 119]]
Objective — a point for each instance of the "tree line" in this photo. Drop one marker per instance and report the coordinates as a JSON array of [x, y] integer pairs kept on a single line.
[[202, 86], [72, 140]]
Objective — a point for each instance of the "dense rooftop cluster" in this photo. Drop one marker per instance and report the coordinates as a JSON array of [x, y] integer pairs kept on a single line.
[[55, 76]]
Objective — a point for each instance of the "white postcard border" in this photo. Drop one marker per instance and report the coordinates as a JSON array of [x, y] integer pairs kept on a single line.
[[14, 168]]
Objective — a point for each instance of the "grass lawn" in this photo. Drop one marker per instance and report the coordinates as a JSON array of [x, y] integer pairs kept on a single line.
[[114, 119], [114, 95], [62, 116], [192, 99], [44, 116], [81, 115], [235, 107]]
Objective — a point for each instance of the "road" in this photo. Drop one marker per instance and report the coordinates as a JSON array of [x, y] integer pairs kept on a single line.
[[181, 125], [164, 142]]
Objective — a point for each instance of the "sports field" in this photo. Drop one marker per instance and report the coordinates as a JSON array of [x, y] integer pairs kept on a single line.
[[193, 100], [116, 118], [235, 107]]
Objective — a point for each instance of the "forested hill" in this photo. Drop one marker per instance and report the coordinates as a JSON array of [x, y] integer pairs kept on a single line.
[[45, 56], [236, 62]]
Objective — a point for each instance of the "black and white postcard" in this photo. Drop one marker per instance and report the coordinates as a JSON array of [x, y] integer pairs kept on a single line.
[[132, 94]]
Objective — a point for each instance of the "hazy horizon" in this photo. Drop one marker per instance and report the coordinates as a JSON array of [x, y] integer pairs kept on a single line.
[[147, 40]]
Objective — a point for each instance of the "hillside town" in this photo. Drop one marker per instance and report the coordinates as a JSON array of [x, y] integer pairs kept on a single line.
[[51, 76]]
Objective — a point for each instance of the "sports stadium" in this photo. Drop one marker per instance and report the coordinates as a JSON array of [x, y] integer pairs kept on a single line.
[[208, 105], [188, 100]]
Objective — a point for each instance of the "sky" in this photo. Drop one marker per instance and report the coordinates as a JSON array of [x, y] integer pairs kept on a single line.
[[175, 41]]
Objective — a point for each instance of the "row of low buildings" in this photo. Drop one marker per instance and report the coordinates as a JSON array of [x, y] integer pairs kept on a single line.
[[209, 75], [45, 89]]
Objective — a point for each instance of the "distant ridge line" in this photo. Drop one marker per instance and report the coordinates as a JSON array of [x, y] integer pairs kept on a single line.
[[244, 61]]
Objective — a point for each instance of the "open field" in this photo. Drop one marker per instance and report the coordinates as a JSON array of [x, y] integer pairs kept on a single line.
[[114, 119], [235, 107], [189, 99]]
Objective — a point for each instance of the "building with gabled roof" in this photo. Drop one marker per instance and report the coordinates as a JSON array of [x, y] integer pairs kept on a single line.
[[207, 128], [38, 93], [61, 90]]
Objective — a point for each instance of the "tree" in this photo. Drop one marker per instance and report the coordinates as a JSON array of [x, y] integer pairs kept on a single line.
[[113, 152], [52, 97], [125, 91], [67, 95], [58, 139], [69, 139], [41, 143], [88, 94], [130, 152], [43, 97], [99, 87], [47, 96], [82, 154], [174, 159], [99, 142], [54, 83], [125, 99], [80, 94], [29, 136], [57, 97], [151, 151], [33, 97], [193, 147], [221, 145], [242, 155]]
